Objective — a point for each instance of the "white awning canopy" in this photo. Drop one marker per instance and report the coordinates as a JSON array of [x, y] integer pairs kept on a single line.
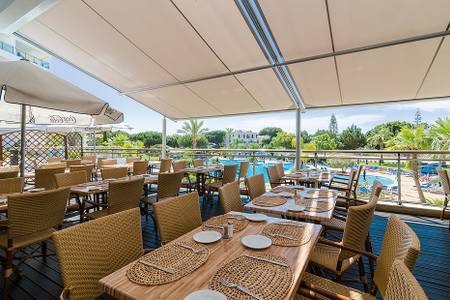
[[201, 58]]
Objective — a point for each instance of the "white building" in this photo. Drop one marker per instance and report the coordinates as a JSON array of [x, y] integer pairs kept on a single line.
[[245, 136]]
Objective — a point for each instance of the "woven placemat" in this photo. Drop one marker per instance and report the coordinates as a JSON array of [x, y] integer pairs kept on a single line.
[[314, 205], [265, 279], [269, 201], [217, 223], [286, 188], [319, 194], [180, 260], [287, 234]]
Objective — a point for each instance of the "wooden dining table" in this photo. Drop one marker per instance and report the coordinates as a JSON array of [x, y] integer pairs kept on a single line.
[[201, 175], [283, 209], [312, 178], [119, 286]]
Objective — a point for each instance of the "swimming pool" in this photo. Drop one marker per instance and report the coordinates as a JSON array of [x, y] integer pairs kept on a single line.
[[369, 179]]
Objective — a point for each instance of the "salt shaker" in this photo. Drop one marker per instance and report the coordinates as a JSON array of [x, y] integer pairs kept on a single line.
[[228, 230]]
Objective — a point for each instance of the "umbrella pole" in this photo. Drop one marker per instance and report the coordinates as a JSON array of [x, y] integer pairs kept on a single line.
[[22, 140]]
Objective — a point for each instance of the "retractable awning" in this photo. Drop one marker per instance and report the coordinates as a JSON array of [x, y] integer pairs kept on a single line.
[[191, 59]]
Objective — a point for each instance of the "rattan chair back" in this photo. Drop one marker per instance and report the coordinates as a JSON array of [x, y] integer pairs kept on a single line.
[[177, 216], [114, 173], [169, 184], [356, 178], [124, 194], [229, 173], [132, 159], [9, 174], [280, 167], [140, 167], [54, 160], [53, 165], [88, 169], [11, 185], [399, 242], [91, 158], [179, 165], [30, 213], [402, 284], [358, 223], [165, 165], [274, 176], [106, 162], [198, 163], [255, 185], [243, 169], [44, 178], [230, 197], [70, 179], [72, 162], [92, 250], [445, 181]]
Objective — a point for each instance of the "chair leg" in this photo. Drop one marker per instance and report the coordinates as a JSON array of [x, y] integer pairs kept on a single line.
[[370, 249], [146, 211], [7, 272], [362, 275], [44, 250]]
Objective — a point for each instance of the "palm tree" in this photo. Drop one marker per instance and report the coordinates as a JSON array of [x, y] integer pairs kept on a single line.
[[228, 133], [440, 136], [194, 129], [412, 139], [379, 139]]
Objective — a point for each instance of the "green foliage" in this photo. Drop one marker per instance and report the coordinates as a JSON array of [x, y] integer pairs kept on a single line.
[[270, 131], [172, 140], [417, 118], [149, 138], [324, 140], [195, 130], [306, 137], [216, 136], [333, 127], [440, 134], [185, 141], [340, 163], [283, 140], [410, 139], [352, 138]]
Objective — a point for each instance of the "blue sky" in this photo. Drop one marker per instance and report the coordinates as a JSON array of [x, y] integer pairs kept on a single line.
[[142, 118]]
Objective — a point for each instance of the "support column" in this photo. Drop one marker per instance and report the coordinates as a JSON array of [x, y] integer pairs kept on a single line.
[[164, 138], [22, 139], [298, 147]]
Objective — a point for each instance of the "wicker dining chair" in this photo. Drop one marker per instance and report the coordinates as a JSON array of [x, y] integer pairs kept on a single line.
[[72, 162], [179, 165], [198, 163], [169, 185], [32, 218], [44, 178], [114, 173], [88, 169], [132, 159], [177, 216], [91, 158], [274, 176], [445, 182], [53, 165], [243, 170], [54, 160], [11, 185], [399, 243], [90, 251], [187, 182], [255, 186], [140, 167], [74, 203], [9, 174], [106, 162], [122, 195], [354, 236], [229, 175], [230, 197], [165, 165]]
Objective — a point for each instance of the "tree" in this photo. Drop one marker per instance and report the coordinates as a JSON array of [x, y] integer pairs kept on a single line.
[[149, 138], [194, 129], [172, 140], [352, 138], [283, 140], [333, 127], [228, 134], [417, 117], [185, 141], [378, 139], [440, 135], [412, 139], [216, 136], [306, 137], [270, 131], [324, 140]]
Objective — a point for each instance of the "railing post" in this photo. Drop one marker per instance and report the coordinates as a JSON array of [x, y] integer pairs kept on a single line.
[[399, 179], [316, 157], [254, 162]]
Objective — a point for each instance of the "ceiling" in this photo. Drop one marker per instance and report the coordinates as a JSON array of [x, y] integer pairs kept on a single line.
[[158, 51]]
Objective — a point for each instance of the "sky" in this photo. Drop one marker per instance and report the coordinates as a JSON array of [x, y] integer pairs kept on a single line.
[[142, 118]]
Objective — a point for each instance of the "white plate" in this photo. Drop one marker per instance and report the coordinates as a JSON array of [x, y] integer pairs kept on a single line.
[[256, 217], [295, 207], [206, 295], [256, 242], [207, 237]]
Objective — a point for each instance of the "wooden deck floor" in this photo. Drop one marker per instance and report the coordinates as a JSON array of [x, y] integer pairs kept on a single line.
[[41, 279]]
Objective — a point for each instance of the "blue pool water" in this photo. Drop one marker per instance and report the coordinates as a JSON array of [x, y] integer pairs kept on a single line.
[[371, 178]]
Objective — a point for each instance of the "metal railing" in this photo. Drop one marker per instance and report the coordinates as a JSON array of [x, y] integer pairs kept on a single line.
[[387, 165]]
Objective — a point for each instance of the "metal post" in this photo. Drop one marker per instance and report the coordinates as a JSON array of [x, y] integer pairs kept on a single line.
[[298, 147], [399, 180], [164, 138], [22, 139], [254, 163]]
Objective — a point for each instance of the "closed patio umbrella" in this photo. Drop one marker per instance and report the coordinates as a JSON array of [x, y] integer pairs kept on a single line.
[[29, 85]]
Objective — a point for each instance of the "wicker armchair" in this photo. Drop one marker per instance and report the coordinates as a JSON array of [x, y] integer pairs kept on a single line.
[[243, 170], [229, 175], [88, 169], [274, 176], [445, 181], [31, 220], [230, 197], [177, 216], [9, 174], [114, 173], [140, 167], [132, 159], [92, 250], [165, 165], [44, 178], [168, 186], [255, 186], [355, 235], [122, 195], [399, 243], [11, 185]]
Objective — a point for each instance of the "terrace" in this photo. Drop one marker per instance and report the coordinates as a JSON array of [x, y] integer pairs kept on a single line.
[[223, 223]]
